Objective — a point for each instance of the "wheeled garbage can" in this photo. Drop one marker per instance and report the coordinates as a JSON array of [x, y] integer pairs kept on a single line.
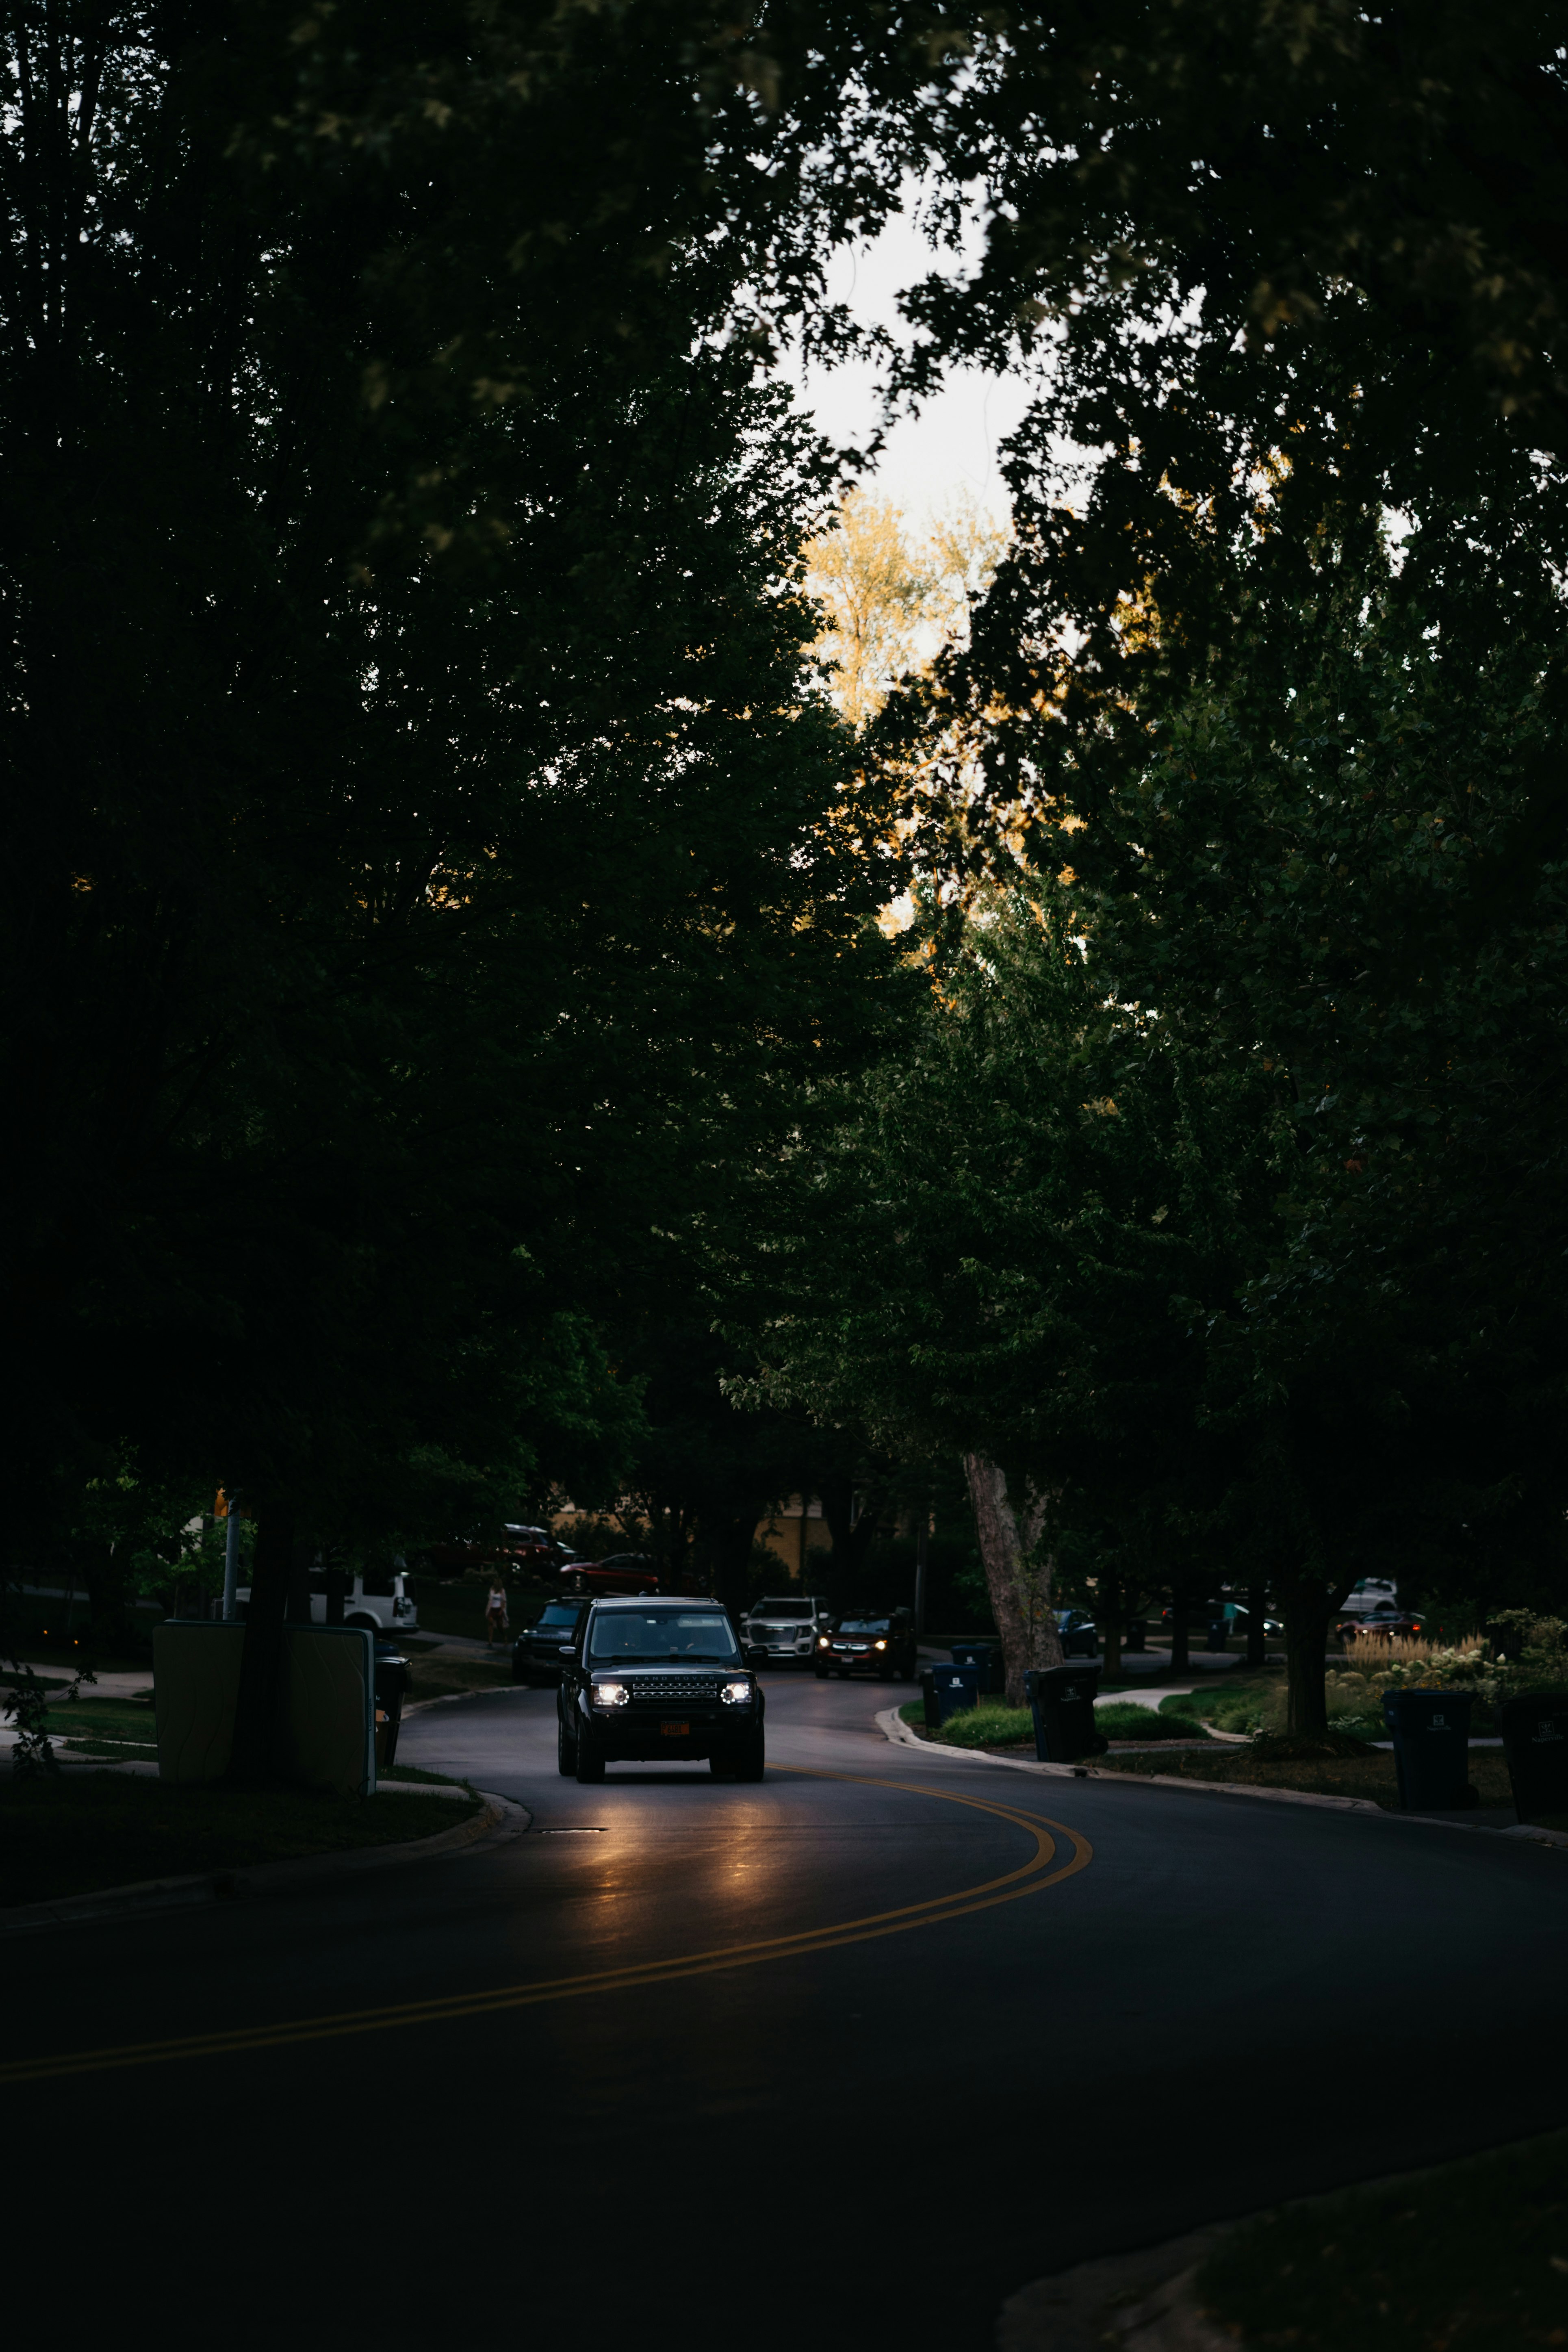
[[1431, 1748], [988, 1657], [951, 1689], [1061, 1699], [392, 1679], [1535, 1743]]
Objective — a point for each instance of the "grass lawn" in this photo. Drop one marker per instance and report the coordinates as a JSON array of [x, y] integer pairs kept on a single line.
[[1359, 1776], [1474, 2255], [443, 1674], [104, 1726], [991, 1724], [72, 1833]]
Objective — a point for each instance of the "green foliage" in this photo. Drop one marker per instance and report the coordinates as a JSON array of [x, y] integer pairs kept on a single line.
[[433, 865], [31, 1704]]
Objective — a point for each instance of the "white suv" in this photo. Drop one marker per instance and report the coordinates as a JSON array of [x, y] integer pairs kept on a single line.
[[1372, 1593], [379, 1603], [787, 1626]]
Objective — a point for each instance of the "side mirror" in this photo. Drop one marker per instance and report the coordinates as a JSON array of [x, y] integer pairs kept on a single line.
[[569, 1649], [755, 1655]]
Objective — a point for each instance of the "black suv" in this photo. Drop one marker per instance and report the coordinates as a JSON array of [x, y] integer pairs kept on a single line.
[[536, 1653], [660, 1679]]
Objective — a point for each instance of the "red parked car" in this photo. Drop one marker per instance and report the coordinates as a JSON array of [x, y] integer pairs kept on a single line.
[[517, 1549], [623, 1571]]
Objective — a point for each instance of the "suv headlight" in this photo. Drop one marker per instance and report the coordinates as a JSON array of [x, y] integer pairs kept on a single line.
[[736, 1693], [611, 1694], [824, 1642], [878, 1645]]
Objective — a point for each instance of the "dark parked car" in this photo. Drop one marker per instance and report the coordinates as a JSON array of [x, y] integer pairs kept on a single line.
[[623, 1571], [1079, 1633], [1383, 1622], [656, 1680], [880, 1646], [536, 1653]]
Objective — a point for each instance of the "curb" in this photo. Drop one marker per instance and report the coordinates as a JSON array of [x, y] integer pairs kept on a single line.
[[1145, 2296], [499, 1819], [895, 1729], [454, 1699]]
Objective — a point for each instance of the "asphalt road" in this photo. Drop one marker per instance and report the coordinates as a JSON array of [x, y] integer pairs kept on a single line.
[[851, 2053]]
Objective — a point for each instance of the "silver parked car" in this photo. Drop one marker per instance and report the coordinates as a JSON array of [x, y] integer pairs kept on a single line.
[[787, 1626]]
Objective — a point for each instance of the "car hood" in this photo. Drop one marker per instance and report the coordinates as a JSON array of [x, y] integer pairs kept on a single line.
[[666, 1666]]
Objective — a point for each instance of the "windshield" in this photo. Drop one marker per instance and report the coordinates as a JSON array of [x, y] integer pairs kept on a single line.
[[782, 1608], [625, 1635], [864, 1625], [559, 1613]]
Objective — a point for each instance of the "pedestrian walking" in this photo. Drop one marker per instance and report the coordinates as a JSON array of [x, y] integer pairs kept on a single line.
[[495, 1612]]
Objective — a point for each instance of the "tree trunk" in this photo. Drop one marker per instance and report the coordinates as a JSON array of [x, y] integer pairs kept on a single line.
[[261, 1665], [723, 1554], [1256, 1634], [109, 1606], [1020, 1598], [1110, 1628], [1306, 1608], [850, 1543], [1181, 1652]]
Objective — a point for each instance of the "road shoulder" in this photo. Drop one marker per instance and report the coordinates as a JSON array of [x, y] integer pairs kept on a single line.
[[498, 1820], [898, 1732]]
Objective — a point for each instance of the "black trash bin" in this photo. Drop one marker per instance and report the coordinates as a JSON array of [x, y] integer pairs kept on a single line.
[[988, 1657], [949, 1691], [390, 1687], [1535, 1742], [1061, 1699], [1431, 1748]]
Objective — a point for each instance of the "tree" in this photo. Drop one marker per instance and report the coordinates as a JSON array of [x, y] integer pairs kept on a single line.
[[891, 600], [429, 868], [1009, 1248]]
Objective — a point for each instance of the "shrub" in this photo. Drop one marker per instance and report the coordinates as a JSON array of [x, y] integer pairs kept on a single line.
[[1372, 1653], [1536, 1657]]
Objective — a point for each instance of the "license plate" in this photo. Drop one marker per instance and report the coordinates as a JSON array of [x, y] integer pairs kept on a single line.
[[676, 1731]]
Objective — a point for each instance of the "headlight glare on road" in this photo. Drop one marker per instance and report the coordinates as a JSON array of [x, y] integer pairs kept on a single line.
[[737, 1693], [611, 1694]]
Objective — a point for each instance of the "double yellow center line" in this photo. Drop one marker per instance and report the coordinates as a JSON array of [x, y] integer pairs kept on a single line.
[[1028, 1878]]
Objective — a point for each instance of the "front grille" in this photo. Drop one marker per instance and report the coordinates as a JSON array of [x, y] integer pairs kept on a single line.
[[649, 1686]]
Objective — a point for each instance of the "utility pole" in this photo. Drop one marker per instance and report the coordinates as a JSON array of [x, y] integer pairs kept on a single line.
[[230, 1557], [922, 1553]]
